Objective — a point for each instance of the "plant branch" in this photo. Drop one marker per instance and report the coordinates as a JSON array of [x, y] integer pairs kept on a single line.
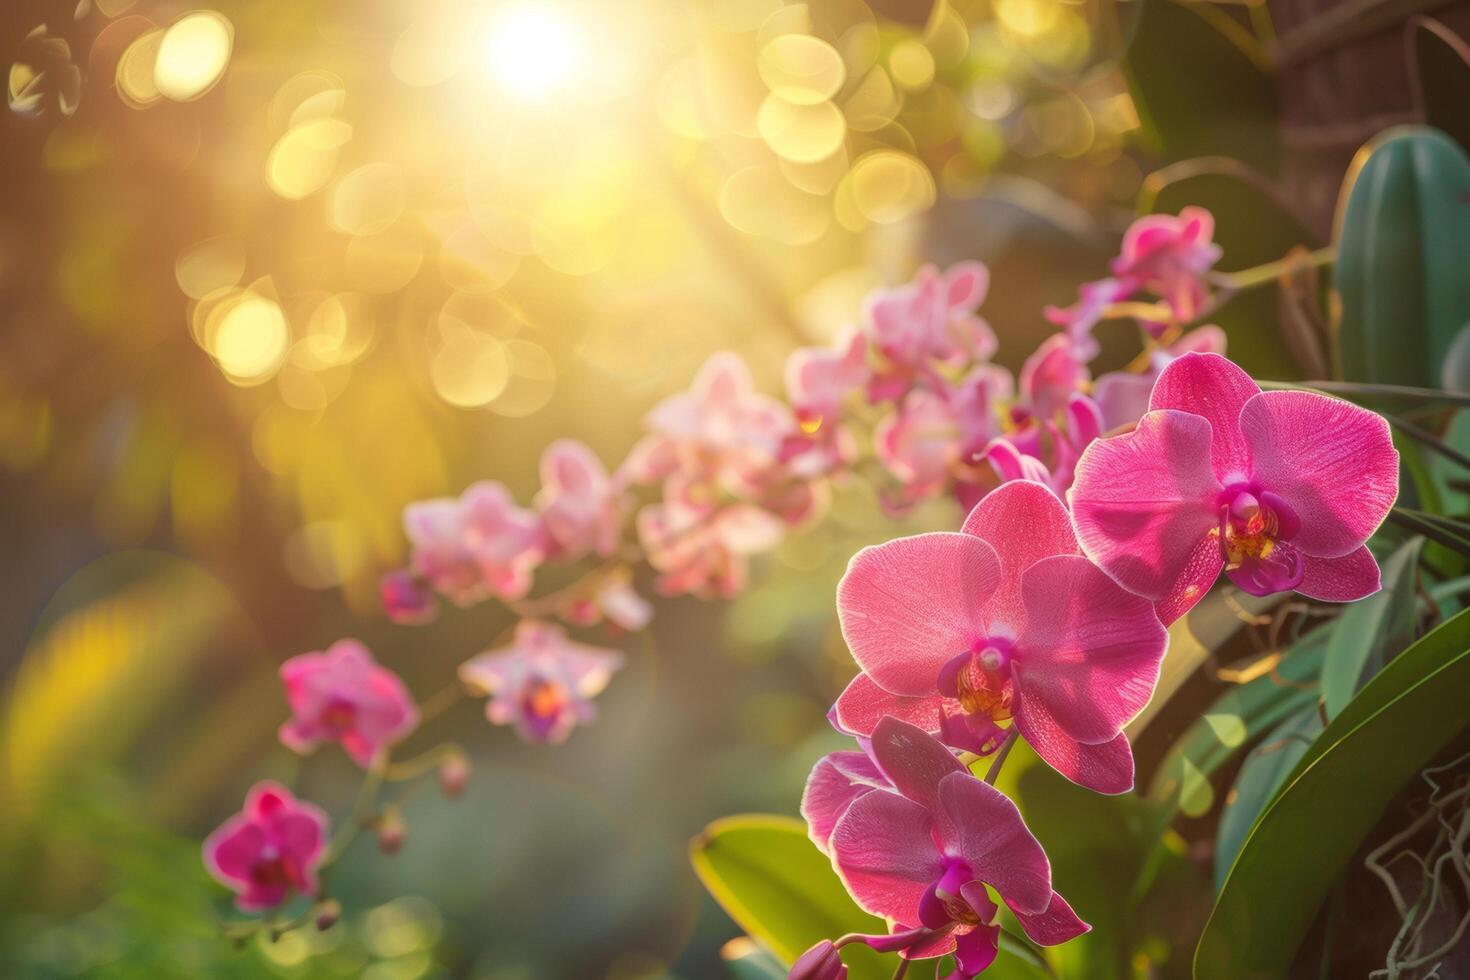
[[993, 773]]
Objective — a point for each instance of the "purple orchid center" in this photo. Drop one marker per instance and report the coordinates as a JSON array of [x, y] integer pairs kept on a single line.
[[340, 716], [273, 869], [1256, 528], [542, 704], [944, 904], [980, 679]]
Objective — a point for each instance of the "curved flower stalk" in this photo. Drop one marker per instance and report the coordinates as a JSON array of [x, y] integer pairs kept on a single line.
[[1020, 625]]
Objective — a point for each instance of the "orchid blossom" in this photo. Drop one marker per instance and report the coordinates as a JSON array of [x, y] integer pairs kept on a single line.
[[268, 851], [343, 696]]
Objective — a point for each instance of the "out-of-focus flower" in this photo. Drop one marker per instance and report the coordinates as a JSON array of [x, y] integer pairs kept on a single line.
[[704, 550], [722, 420], [579, 503], [919, 443], [1169, 256], [614, 598], [542, 683], [391, 830], [922, 854], [1281, 489], [1122, 396], [343, 696], [819, 379], [932, 317], [1080, 318], [479, 545], [268, 851], [454, 775], [406, 599], [1004, 623], [1049, 378]]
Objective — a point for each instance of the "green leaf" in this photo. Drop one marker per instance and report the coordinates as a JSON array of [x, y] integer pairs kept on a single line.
[[1403, 257], [770, 878], [1262, 774], [746, 960], [1335, 797], [1440, 75], [1240, 715], [1372, 631], [1224, 101]]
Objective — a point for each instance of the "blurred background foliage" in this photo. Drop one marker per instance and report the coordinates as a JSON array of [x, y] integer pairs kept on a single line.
[[270, 271]]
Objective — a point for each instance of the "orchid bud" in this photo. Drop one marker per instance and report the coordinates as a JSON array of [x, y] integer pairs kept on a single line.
[[454, 772], [391, 830], [821, 962], [328, 911]]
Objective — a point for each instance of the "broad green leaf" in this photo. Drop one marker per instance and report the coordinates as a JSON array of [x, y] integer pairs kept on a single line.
[[1440, 77], [1202, 84], [775, 884], [1335, 797], [1261, 775], [1372, 631], [1403, 257], [1240, 715]]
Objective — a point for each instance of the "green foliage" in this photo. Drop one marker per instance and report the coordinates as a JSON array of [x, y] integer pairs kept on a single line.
[[1403, 266], [1441, 77], [1334, 797], [1373, 630], [1201, 84], [1262, 774], [1237, 717]]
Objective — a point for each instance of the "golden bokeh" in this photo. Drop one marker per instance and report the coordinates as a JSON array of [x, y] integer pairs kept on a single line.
[[250, 339], [801, 133], [304, 159], [800, 69], [192, 55]]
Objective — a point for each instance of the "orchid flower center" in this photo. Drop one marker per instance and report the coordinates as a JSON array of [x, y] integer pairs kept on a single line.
[[542, 698], [1256, 527], [273, 868], [944, 906], [980, 679], [339, 716]]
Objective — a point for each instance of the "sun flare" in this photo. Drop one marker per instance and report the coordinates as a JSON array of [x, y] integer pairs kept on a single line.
[[534, 49]]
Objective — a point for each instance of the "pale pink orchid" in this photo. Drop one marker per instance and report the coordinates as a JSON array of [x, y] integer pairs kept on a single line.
[[342, 695], [268, 851], [1169, 256], [580, 504], [1122, 396], [614, 599], [721, 420], [1003, 624], [479, 545], [919, 443], [542, 683], [703, 549], [1280, 489], [932, 317], [925, 850], [819, 379]]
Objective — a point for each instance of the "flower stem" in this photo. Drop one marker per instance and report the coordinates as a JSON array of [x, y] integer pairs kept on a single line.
[[1382, 391], [440, 701], [993, 773], [426, 761], [1428, 439], [367, 799], [903, 967], [1260, 275], [1433, 530]]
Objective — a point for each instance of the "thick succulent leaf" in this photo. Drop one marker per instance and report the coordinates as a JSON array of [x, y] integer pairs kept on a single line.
[[1334, 798]]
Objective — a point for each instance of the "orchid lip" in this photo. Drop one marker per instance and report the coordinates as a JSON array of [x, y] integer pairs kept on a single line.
[[980, 678]]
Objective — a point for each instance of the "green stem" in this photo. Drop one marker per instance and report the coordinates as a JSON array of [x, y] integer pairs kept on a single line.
[[1428, 439], [993, 773], [1383, 391], [440, 701], [367, 800], [1431, 530], [426, 761], [1260, 275]]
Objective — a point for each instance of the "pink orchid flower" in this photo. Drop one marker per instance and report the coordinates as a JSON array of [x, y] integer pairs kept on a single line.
[[479, 545], [407, 599], [819, 379], [1280, 489], [1018, 456], [614, 599], [925, 853], [343, 696], [1081, 317], [542, 682], [1049, 378], [933, 317], [722, 418], [268, 851], [1122, 396], [704, 550], [919, 443], [1004, 623], [578, 501], [1169, 256]]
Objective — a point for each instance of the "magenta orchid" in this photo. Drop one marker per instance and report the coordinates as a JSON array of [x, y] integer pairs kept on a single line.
[[542, 683], [343, 696], [1169, 256], [1280, 489], [921, 842], [932, 318], [270, 850], [1003, 624], [1122, 396]]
